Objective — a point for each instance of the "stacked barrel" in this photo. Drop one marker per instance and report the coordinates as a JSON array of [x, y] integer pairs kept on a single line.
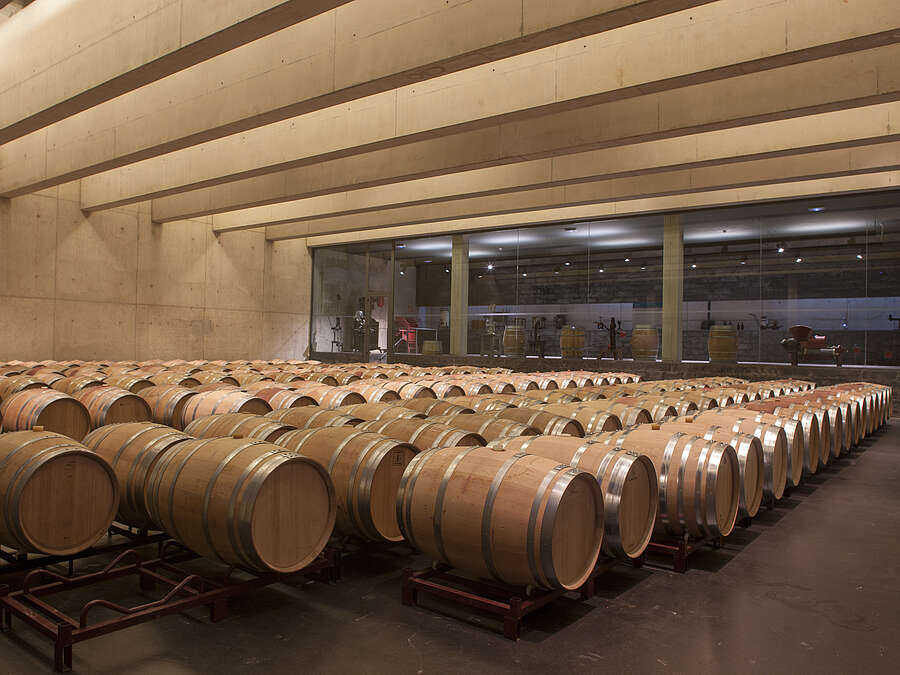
[[525, 478]]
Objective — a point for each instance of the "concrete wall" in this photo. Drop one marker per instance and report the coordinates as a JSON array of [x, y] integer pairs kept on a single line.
[[112, 285]]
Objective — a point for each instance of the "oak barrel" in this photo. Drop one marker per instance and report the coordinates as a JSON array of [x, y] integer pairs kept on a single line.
[[57, 496], [132, 450], [366, 470], [546, 423], [380, 411], [10, 385], [75, 383], [244, 502], [722, 344], [486, 426], [434, 408], [284, 398], [518, 518], [312, 417], [627, 480], [212, 402], [167, 403], [514, 341], [53, 410], [111, 405], [424, 434], [644, 343], [132, 383], [238, 425], [571, 342]]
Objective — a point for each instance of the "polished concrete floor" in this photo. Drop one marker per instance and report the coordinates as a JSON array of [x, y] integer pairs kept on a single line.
[[811, 587]]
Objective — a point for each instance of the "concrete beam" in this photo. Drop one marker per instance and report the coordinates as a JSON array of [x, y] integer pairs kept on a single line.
[[841, 82], [823, 187], [673, 288], [60, 58], [459, 295], [846, 161], [713, 42], [828, 131], [365, 47]]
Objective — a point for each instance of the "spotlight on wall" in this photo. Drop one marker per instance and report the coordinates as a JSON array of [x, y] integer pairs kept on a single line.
[[781, 248], [427, 261], [556, 270], [401, 245], [402, 272], [799, 260], [524, 274], [568, 263], [447, 270], [693, 266], [815, 209], [743, 260], [859, 256], [643, 267], [490, 266], [627, 259]]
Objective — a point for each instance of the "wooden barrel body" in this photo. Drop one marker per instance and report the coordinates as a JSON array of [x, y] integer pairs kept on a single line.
[[366, 469], [432, 347], [434, 408], [53, 410], [214, 377], [238, 425], [327, 396], [182, 379], [703, 401], [75, 383], [483, 403], [514, 341], [592, 420], [812, 449], [722, 344], [129, 382], [520, 401], [244, 502], [552, 396], [370, 391], [644, 343], [627, 481], [313, 417], [167, 403], [416, 390], [424, 434], [699, 479], [749, 453], [629, 415], [284, 398], [380, 411], [10, 385], [546, 423], [772, 438], [289, 377], [659, 410], [490, 428], [470, 387], [132, 450], [112, 405], [442, 389], [820, 417], [56, 496], [571, 342], [226, 401], [525, 383], [510, 516]]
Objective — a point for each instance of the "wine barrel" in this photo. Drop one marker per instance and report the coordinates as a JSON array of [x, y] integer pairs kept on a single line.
[[327, 396], [366, 470], [517, 518], [214, 377], [238, 425], [244, 502], [592, 420], [313, 417], [182, 379], [380, 411], [526, 383], [75, 383], [699, 479], [644, 343], [10, 385], [749, 453], [571, 342], [290, 377], [57, 496], [167, 403], [552, 396], [132, 450], [443, 389], [546, 423], [490, 428], [212, 402], [772, 438], [48, 378], [659, 410], [132, 383], [435, 408], [703, 400], [424, 434], [483, 403], [372, 393], [824, 424], [514, 341], [112, 405], [469, 387], [520, 400], [629, 415], [245, 378], [627, 481], [47, 408], [284, 398], [722, 344]]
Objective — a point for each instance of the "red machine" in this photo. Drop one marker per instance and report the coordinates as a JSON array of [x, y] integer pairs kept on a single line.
[[807, 346]]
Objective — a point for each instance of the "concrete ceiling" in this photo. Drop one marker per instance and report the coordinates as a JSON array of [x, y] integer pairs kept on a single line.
[[342, 120]]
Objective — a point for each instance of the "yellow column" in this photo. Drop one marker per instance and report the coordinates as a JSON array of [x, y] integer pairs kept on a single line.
[[459, 296], [673, 288]]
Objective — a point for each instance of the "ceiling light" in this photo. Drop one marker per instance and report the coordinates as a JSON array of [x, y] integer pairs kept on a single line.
[[568, 263], [816, 209], [524, 274], [693, 266], [743, 260], [798, 260], [490, 266], [600, 270], [781, 248], [643, 267], [499, 248], [402, 273], [627, 259], [859, 256], [447, 270]]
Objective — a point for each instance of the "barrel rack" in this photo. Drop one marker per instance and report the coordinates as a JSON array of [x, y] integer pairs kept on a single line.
[[14, 562], [679, 549], [185, 590], [512, 603]]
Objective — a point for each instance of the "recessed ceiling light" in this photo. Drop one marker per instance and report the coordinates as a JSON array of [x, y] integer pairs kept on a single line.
[[447, 270], [643, 267], [693, 266], [524, 274], [781, 248], [490, 266], [568, 263], [402, 273], [798, 260], [816, 209], [600, 270], [859, 256], [627, 259]]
